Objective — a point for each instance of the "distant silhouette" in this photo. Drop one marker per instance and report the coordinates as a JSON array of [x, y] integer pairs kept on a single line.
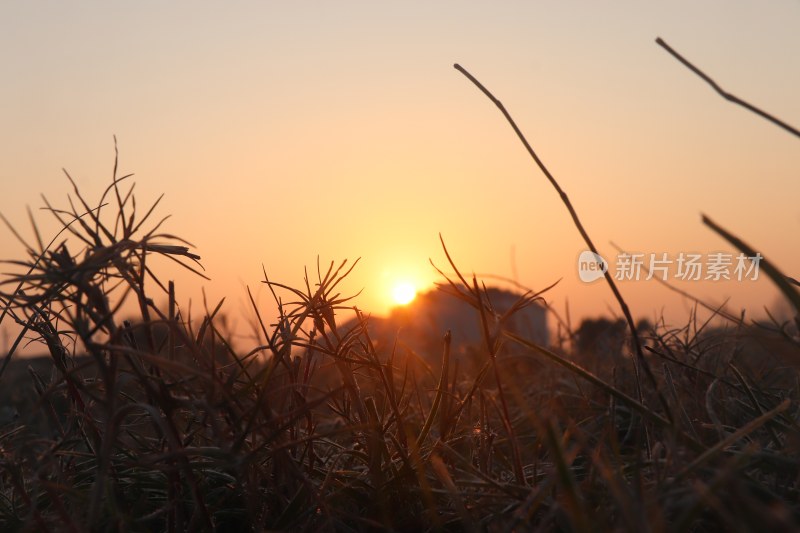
[[421, 325], [601, 336]]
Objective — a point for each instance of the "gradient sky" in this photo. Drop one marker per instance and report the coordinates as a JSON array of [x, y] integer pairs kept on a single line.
[[280, 132]]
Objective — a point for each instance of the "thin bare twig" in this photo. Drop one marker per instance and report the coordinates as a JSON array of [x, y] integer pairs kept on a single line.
[[725, 94], [641, 361], [777, 277]]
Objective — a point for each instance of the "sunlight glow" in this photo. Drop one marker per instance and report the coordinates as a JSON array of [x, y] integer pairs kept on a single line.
[[403, 292]]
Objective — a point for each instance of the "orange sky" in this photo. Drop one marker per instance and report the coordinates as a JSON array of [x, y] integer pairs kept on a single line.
[[280, 132]]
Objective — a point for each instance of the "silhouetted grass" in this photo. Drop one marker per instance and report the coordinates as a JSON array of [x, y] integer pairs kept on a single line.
[[161, 423]]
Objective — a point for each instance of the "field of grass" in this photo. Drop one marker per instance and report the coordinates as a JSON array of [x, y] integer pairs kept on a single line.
[[160, 423]]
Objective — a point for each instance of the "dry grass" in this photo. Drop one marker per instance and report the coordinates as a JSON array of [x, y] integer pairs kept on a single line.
[[162, 424]]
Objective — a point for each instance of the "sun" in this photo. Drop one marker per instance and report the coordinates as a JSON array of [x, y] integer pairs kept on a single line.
[[403, 292]]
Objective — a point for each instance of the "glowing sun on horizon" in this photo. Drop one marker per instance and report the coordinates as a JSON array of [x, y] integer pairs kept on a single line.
[[403, 292]]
